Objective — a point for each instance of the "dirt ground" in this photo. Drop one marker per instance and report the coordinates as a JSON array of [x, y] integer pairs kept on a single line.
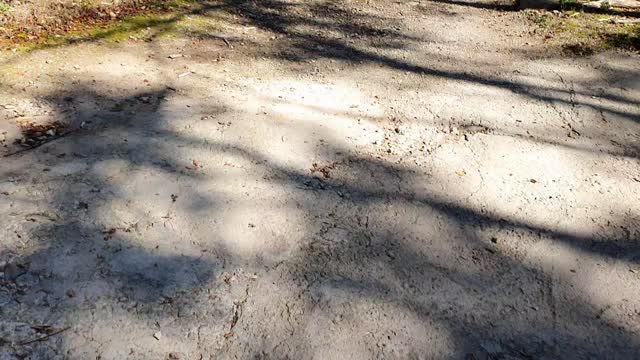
[[321, 180]]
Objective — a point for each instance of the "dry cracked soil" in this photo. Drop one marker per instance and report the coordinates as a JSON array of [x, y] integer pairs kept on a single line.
[[320, 180]]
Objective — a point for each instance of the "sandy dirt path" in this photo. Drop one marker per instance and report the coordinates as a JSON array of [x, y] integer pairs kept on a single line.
[[326, 180]]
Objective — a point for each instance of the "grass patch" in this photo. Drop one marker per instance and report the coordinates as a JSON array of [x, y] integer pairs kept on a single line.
[[543, 20], [153, 25], [157, 26], [121, 30], [4, 8], [629, 39], [149, 18], [582, 33], [570, 5]]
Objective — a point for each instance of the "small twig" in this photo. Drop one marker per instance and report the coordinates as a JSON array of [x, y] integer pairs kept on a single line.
[[227, 42], [45, 337]]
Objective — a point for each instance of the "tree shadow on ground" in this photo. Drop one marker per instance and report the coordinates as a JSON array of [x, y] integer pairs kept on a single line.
[[90, 250], [359, 256], [451, 283], [454, 280], [320, 30], [493, 5]]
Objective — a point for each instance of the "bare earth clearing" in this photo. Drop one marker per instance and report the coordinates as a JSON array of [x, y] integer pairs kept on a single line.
[[327, 180]]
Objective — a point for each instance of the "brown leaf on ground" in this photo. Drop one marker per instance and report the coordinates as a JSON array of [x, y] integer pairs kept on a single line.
[[35, 134], [325, 170]]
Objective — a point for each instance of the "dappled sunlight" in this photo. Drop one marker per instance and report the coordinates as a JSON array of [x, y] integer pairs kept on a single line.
[[352, 311], [327, 197], [292, 98], [181, 195]]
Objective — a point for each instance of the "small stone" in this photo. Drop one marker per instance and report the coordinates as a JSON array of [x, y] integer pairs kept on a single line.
[[157, 335]]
